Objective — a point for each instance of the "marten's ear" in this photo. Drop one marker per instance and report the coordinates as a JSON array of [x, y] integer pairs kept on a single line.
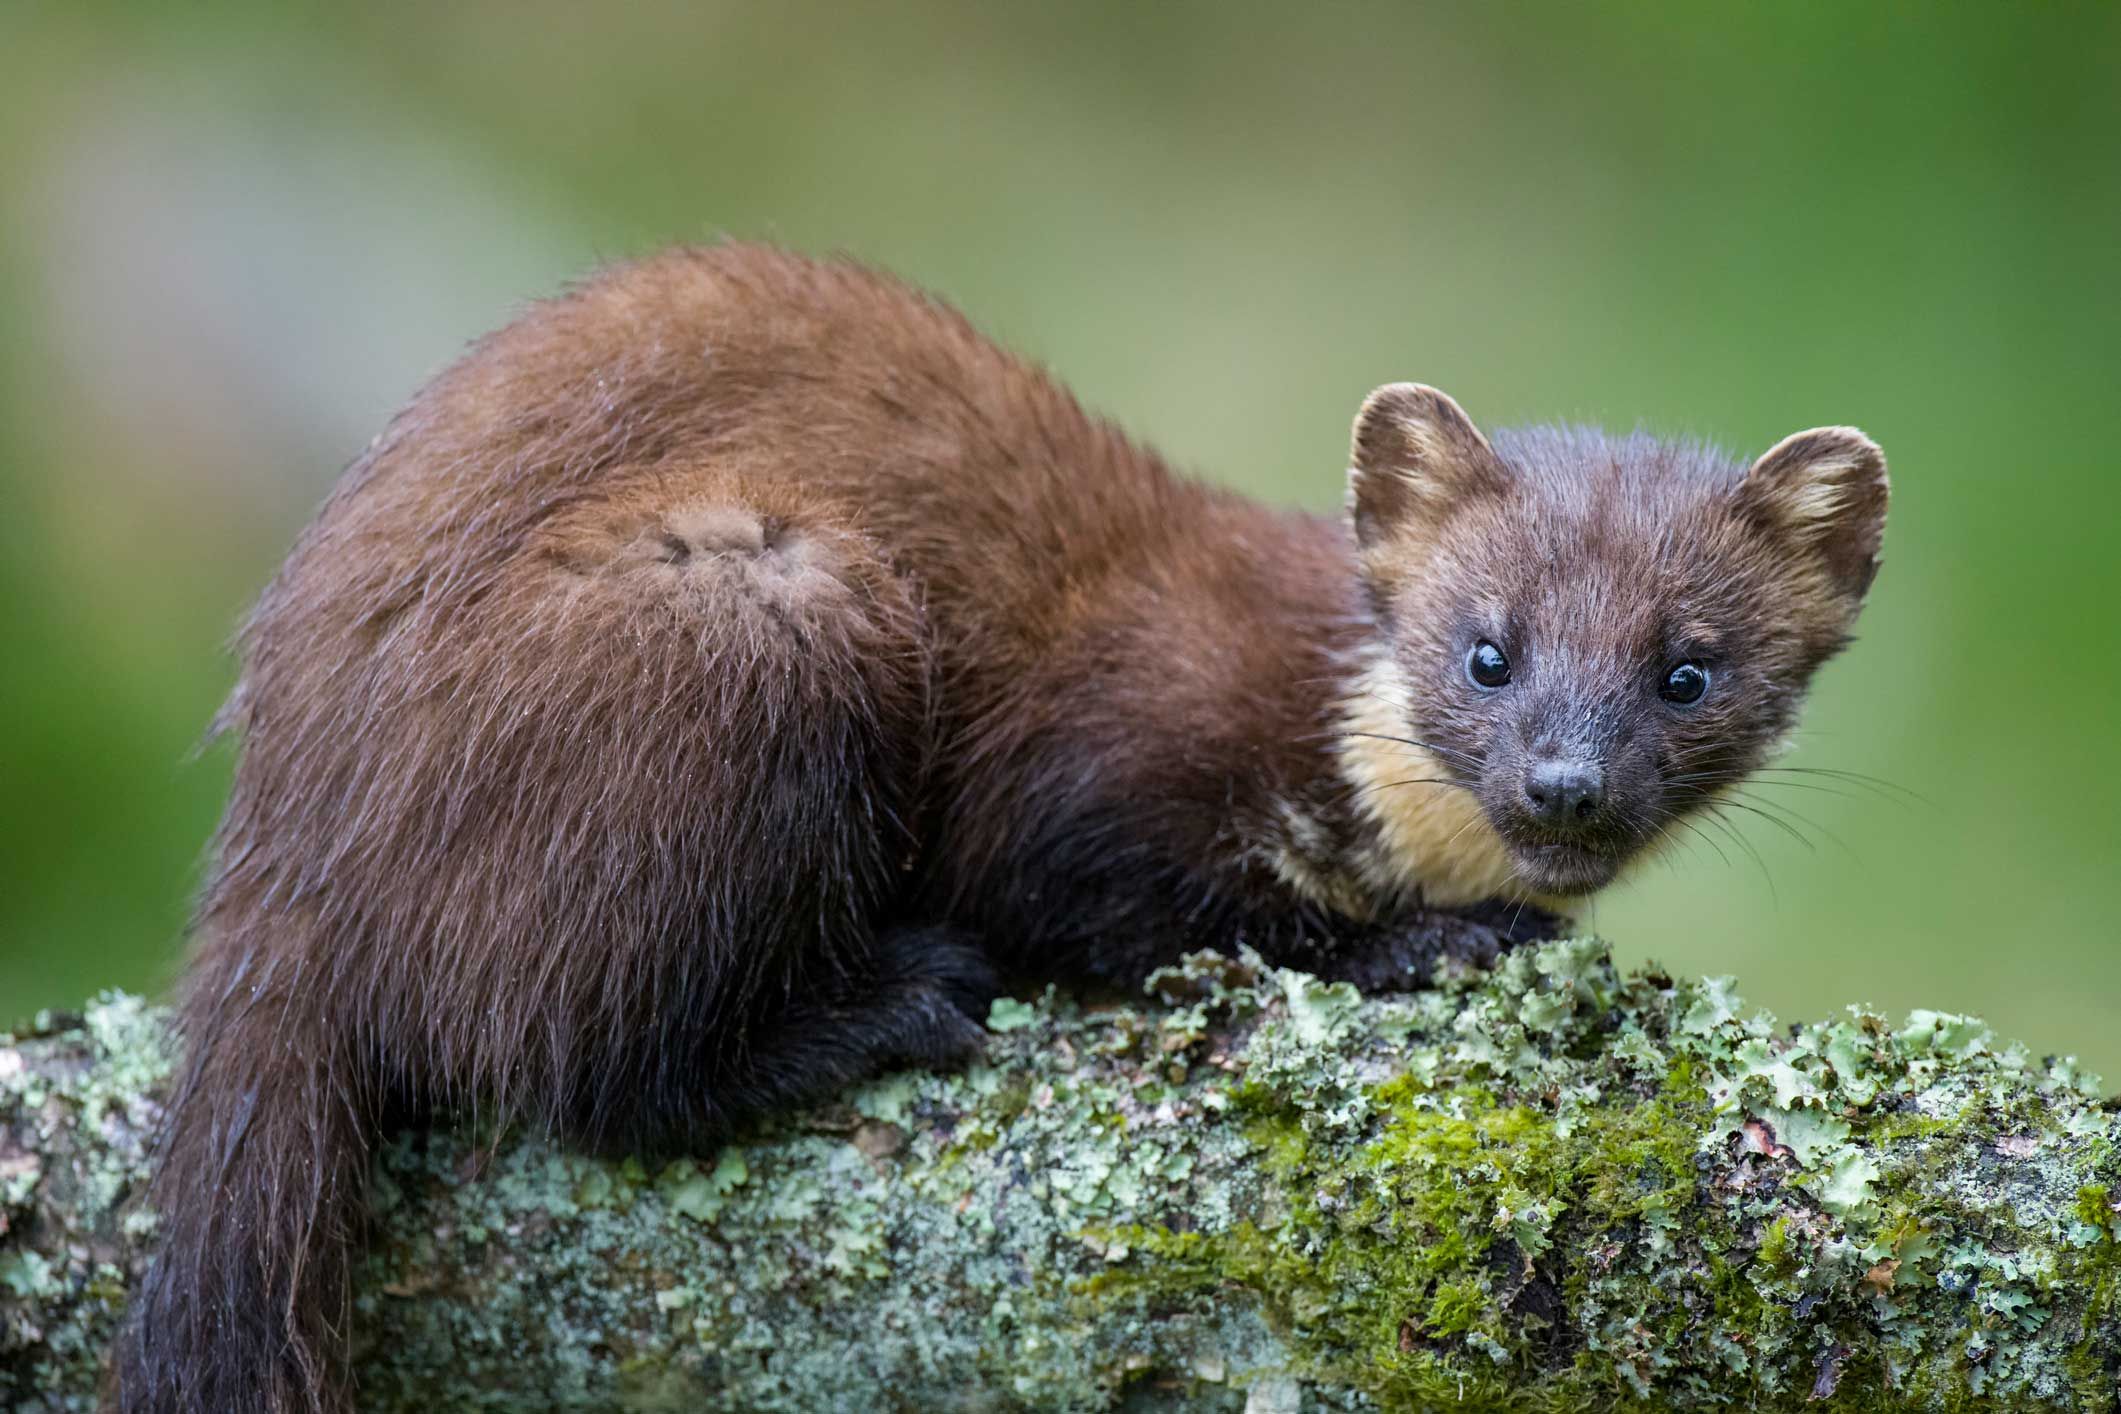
[[1824, 491], [1416, 454]]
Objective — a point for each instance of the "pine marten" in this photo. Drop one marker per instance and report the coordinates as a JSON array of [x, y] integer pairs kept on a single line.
[[707, 687]]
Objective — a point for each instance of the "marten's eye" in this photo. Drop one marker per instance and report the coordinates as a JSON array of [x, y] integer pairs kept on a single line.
[[1684, 683], [1487, 666]]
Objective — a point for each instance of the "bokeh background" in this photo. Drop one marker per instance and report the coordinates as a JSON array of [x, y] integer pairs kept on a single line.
[[233, 238]]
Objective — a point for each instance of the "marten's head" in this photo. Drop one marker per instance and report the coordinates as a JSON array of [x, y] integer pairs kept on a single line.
[[1594, 635]]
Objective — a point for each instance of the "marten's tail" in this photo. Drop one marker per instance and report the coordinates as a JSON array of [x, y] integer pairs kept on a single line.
[[258, 1188]]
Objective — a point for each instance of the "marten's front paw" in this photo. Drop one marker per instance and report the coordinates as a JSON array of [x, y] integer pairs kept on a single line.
[[948, 960], [1405, 958], [1409, 953], [929, 1005], [921, 1026], [1514, 923]]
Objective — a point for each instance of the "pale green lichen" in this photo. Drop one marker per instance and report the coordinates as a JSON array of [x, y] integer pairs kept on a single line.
[[1546, 1187], [79, 1104]]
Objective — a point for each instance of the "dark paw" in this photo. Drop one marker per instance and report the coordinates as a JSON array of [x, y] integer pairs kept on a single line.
[[919, 1025], [1514, 923], [1403, 960], [1408, 953], [933, 988], [947, 961]]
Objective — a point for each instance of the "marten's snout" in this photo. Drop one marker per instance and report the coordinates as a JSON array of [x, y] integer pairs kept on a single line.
[[1564, 793]]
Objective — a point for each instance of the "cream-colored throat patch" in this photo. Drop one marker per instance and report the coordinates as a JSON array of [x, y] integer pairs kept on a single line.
[[1434, 838]]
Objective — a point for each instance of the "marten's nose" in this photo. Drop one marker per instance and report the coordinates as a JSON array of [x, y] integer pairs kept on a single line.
[[1563, 792]]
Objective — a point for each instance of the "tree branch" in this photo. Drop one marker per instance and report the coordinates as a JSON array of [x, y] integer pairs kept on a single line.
[[1545, 1187]]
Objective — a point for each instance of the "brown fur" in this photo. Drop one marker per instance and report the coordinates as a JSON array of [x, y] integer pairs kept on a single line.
[[688, 703], [1597, 563]]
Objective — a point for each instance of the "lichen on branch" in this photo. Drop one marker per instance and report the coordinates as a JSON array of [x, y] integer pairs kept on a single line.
[[1542, 1187]]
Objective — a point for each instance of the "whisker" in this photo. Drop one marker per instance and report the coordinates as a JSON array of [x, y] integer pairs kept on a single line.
[[1471, 820], [1789, 785], [1357, 790], [1437, 747], [1801, 818], [1745, 846], [1845, 777], [1752, 852], [1774, 811], [1854, 778], [1697, 832], [1776, 820]]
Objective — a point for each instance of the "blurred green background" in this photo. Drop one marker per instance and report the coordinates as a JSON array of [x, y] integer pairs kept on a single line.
[[232, 239]]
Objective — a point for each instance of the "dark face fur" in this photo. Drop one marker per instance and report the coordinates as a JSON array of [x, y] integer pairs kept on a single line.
[[1599, 634]]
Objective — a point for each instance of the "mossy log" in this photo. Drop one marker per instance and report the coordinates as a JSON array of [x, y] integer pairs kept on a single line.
[[1546, 1187]]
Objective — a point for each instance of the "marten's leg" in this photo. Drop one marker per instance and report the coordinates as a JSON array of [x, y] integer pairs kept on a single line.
[[1404, 953], [758, 820], [926, 988], [600, 837]]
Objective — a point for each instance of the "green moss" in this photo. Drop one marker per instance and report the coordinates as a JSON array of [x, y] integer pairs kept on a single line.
[[1408, 1229], [1893, 1128], [2095, 1209], [1543, 1188], [1775, 1256], [2096, 1268], [1397, 1262]]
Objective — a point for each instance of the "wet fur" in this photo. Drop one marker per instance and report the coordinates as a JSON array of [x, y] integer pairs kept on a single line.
[[696, 699]]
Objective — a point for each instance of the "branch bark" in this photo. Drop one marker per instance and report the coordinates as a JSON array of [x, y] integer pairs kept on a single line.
[[1542, 1187]]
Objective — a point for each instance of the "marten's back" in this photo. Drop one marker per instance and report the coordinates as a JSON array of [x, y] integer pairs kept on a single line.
[[717, 431], [659, 384]]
